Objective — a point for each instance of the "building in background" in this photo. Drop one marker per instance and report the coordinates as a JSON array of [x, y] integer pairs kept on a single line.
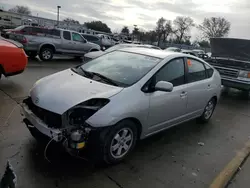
[[10, 20]]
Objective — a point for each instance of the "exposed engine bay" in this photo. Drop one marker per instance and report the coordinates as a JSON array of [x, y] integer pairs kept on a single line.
[[70, 128]]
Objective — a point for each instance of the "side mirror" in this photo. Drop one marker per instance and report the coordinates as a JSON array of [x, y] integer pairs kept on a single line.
[[164, 86]]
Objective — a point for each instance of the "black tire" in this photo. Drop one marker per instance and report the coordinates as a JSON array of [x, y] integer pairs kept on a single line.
[[208, 111], [109, 156], [46, 54], [31, 54]]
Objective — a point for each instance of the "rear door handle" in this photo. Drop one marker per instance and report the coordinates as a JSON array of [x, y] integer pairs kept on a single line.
[[183, 94]]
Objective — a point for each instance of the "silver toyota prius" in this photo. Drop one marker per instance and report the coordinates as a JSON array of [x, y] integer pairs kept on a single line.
[[116, 99]]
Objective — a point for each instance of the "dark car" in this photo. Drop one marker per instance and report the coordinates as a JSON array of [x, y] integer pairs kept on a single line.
[[92, 38], [190, 52]]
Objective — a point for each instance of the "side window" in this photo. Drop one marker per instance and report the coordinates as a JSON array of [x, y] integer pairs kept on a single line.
[[173, 72], [66, 35], [209, 70], [92, 38], [77, 37], [26, 30], [196, 70]]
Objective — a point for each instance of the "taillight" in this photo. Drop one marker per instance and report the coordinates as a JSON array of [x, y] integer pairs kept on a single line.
[[24, 40]]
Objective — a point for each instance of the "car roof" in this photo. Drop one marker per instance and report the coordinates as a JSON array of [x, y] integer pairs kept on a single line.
[[172, 48], [151, 52], [89, 34]]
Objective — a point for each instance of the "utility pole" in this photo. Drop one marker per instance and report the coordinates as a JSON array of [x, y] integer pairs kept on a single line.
[[58, 7]]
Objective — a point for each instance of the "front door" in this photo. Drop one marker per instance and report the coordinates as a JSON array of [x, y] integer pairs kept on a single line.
[[168, 108], [80, 45]]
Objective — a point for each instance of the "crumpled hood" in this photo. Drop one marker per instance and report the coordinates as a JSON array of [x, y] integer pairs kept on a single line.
[[63, 90], [95, 54]]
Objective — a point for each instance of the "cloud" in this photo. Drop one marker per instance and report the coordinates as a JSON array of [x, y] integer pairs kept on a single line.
[[144, 13]]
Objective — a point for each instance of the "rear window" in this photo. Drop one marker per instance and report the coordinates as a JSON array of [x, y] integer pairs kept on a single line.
[[54, 32], [38, 30], [26, 30], [19, 28], [66, 35]]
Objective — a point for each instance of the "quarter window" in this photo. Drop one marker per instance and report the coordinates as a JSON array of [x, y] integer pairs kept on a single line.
[[66, 35], [173, 72], [196, 70], [209, 70]]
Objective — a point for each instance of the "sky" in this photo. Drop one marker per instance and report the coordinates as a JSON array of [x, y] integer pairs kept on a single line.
[[143, 13]]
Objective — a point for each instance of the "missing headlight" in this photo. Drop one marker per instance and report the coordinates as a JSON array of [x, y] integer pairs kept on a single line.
[[79, 114]]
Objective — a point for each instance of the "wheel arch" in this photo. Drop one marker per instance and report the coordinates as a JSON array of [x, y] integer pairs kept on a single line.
[[215, 98], [137, 123], [48, 45]]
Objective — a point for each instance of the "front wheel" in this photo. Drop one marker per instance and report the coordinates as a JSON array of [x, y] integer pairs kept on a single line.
[[208, 111], [120, 142]]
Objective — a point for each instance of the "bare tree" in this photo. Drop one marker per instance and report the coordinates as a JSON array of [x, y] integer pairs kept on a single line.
[[182, 26], [167, 30], [21, 10], [160, 28], [214, 27]]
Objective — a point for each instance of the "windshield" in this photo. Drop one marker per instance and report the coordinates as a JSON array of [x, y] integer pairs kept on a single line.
[[19, 28], [121, 67]]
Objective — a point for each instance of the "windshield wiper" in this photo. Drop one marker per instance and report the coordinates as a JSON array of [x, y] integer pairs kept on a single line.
[[86, 73], [108, 80]]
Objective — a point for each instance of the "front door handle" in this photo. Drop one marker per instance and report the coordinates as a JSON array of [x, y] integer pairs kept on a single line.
[[183, 94]]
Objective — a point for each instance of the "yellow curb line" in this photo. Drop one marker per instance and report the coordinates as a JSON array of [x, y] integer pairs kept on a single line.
[[227, 173]]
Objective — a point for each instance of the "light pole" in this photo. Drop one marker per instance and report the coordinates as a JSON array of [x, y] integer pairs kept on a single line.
[[58, 7]]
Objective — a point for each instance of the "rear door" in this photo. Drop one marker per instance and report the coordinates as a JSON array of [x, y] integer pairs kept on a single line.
[[67, 43], [199, 87]]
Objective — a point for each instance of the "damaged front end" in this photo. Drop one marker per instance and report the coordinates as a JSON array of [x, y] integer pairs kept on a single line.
[[70, 128]]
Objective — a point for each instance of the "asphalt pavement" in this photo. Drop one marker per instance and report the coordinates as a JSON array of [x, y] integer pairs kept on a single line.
[[188, 155]]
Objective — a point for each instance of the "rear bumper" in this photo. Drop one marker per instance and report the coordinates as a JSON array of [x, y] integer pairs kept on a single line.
[[238, 84]]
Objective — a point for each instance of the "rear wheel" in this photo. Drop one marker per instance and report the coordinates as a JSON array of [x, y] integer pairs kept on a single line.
[[208, 111], [46, 54], [120, 142]]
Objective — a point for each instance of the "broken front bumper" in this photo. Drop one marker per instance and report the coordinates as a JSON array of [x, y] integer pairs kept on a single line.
[[35, 122]]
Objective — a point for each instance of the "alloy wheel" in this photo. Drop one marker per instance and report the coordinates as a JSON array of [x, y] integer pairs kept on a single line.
[[209, 110], [121, 143], [46, 54]]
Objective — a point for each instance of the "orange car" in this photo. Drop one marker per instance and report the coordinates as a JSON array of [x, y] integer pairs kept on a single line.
[[13, 59]]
